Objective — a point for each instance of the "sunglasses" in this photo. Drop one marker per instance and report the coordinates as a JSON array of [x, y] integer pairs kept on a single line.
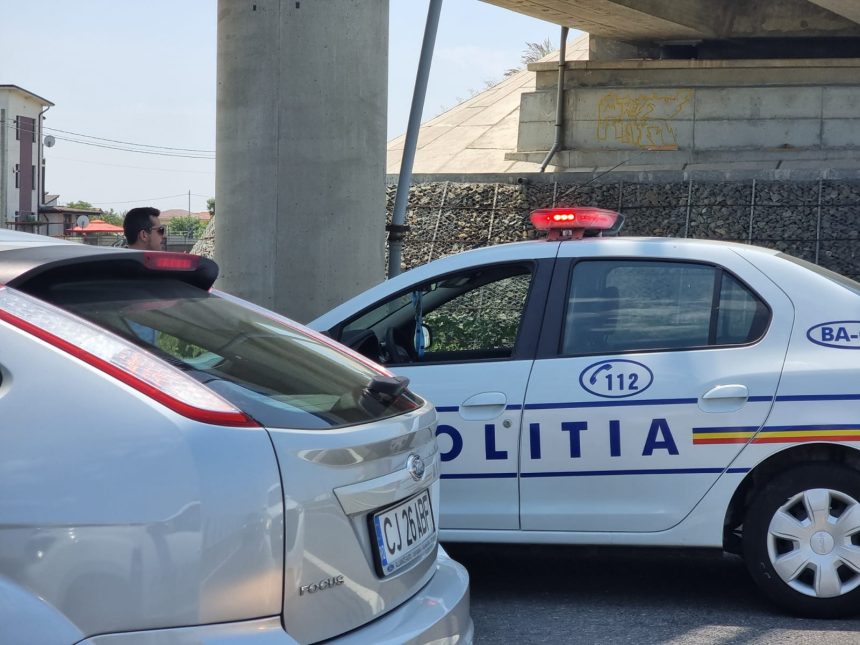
[[160, 230]]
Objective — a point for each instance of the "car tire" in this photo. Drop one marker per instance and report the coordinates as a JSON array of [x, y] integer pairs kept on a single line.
[[801, 540]]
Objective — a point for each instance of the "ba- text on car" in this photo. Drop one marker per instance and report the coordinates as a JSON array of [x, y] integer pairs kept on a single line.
[[177, 465], [638, 391]]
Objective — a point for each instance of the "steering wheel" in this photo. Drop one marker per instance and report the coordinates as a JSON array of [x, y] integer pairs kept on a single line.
[[396, 352]]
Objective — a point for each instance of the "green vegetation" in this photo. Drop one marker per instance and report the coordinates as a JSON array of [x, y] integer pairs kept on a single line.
[[470, 329], [188, 225], [79, 204], [177, 347]]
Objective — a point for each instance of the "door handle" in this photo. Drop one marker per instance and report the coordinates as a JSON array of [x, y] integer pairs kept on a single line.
[[724, 398], [726, 392], [483, 406]]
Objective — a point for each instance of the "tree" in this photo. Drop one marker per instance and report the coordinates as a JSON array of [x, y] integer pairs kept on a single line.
[[210, 206], [112, 217], [532, 54], [79, 204], [187, 225]]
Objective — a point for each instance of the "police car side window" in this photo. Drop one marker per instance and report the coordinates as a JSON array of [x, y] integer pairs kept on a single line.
[[473, 315], [483, 321], [742, 317], [633, 305]]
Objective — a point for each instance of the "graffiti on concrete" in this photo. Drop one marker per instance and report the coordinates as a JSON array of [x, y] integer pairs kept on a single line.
[[642, 119]]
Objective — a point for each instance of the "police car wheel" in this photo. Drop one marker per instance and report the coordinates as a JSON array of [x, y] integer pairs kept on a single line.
[[801, 540]]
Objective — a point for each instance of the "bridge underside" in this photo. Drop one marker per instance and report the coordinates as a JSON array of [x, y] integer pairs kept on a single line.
[[678, 82], [708, 29]]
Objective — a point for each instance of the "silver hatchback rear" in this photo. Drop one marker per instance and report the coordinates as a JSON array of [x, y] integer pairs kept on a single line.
[[179, 466]]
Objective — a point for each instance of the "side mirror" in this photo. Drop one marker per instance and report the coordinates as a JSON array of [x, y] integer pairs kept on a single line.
[[426, 337]]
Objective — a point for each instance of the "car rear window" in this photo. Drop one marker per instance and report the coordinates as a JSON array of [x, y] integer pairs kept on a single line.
[[276, 373]]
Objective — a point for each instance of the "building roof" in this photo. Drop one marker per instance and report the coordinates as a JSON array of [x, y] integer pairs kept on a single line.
[[28, 94], [474, 136], [71, 211], [170, 213]]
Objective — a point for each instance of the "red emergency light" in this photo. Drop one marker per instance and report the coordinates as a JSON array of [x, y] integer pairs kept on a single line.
[[575, 222]]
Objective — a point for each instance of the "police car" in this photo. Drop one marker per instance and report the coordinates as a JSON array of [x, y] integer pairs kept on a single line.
[[594, 389], [179, 466]]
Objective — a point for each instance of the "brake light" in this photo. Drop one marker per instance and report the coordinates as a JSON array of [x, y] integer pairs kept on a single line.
[[161, 261], [119, 358], [573, 223]]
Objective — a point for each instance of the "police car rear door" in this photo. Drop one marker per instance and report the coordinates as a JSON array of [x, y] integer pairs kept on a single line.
[[656, 361]]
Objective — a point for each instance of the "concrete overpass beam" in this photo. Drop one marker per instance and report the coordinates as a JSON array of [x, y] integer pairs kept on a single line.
[[658, 21], [627, 19], [846, 8]]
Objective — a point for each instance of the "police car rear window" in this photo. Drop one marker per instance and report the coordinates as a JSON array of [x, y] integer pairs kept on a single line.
[[630, 305], [274, 372]]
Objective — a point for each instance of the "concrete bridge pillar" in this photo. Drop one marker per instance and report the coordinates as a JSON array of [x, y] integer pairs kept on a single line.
[[300, 171]]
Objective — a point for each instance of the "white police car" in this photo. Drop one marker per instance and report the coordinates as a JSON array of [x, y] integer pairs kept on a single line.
[[638, 391], [179, 466]]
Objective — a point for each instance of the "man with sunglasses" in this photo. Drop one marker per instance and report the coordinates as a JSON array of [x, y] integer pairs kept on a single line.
[[143, 230]]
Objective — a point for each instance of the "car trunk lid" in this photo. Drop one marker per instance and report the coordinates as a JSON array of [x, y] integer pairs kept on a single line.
[[336, 575]]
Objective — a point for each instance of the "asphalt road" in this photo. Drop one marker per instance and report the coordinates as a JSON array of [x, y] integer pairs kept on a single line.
[[551, 594]]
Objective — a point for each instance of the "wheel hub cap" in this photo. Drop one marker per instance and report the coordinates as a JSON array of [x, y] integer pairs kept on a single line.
[[813, 543], [822, 543]]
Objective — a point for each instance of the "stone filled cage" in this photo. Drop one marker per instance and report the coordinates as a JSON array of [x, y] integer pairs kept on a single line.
[[818, 221]]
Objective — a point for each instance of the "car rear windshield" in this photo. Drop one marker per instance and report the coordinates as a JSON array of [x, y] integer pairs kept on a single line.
[[276, 373]]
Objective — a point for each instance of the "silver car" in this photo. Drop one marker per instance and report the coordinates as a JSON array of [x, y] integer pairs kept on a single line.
[[179, 466]]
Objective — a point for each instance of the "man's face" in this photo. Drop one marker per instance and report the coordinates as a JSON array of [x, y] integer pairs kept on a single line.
[[156, 238]]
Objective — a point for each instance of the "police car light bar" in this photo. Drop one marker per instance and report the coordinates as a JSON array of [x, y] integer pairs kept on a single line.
[[575, 222]]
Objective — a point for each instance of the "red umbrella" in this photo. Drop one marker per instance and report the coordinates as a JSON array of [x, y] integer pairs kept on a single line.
[[96, 226]]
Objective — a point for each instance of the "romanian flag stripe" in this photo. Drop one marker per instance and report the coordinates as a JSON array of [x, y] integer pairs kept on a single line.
[[776, 434], [813, 437], [727, 435], [698, 441]]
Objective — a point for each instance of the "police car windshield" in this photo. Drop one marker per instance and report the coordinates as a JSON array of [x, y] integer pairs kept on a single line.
[[838, 278], [274, 372]]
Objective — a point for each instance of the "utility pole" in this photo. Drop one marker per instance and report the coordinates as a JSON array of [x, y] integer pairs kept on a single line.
[[398, 228]]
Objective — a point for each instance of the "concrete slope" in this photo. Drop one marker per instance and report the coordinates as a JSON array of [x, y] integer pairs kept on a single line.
[[474, 136]]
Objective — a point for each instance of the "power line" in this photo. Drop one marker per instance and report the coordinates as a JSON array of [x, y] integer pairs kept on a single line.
[[122, 149], [148, 199], [130, 143]]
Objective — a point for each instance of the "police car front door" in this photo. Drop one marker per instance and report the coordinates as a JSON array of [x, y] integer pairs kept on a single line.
[[654, 366], [479, 407], [475, 369]]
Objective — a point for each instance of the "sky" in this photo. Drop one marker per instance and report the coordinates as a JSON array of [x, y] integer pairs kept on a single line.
[[131, 72]]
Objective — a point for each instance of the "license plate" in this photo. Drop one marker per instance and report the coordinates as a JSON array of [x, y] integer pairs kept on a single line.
[[404, 533]]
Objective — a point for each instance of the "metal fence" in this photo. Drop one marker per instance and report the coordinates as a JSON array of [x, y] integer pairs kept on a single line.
[[818, 221]]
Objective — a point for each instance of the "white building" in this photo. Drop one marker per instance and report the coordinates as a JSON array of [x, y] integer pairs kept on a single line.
[[22, 170]]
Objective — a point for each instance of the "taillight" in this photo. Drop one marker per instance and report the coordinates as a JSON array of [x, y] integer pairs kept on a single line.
[[160, 261], [119, 358]]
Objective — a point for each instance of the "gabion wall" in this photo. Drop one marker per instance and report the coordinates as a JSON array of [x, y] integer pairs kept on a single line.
[[818, 221]]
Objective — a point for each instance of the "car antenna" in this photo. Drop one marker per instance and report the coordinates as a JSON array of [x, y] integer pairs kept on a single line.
[[575, 189]]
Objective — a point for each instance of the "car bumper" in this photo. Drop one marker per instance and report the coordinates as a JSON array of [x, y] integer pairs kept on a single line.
[[439, 614]]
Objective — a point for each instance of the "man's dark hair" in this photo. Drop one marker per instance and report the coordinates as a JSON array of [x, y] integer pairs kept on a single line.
[[137, 220]]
